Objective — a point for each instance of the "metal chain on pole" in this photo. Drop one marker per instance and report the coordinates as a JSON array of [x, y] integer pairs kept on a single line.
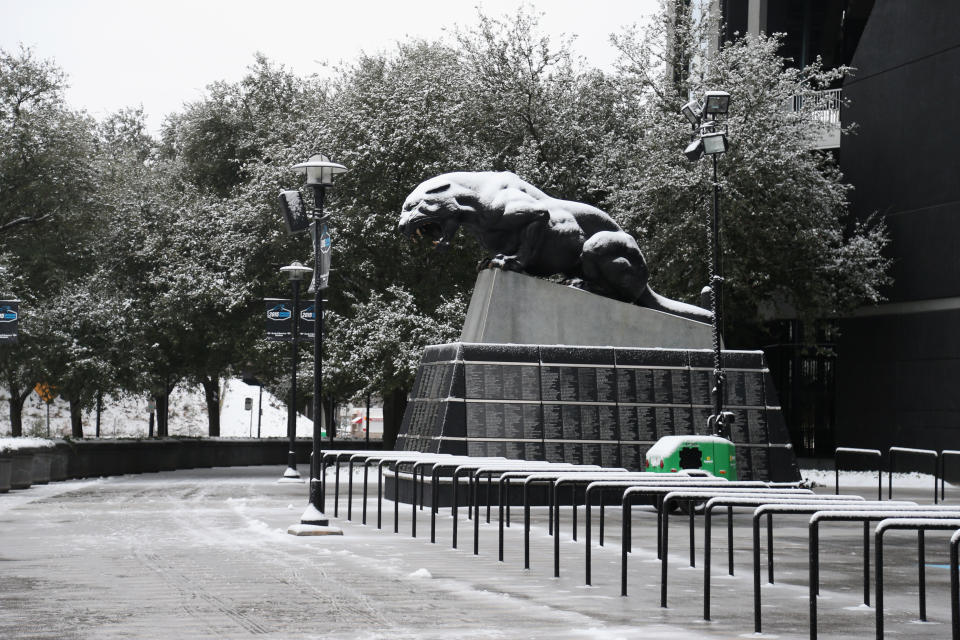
[[716, 292]]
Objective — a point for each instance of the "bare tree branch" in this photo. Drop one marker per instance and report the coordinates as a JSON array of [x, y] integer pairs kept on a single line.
[[16, 222]]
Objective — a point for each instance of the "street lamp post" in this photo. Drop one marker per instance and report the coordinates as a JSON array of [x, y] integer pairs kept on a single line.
[[319, 171], [295, 272], [710, 138]]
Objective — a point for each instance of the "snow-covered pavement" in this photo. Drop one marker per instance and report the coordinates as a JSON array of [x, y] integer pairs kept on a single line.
[[204, 554]]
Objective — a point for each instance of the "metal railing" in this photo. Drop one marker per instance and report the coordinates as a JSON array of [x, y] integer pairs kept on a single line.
[[927, 453], [861, 452], [824, 105], [946, 453], [893, 455], [955, 585], [919, 525], [864, 516], [731, 502], [586, 484]]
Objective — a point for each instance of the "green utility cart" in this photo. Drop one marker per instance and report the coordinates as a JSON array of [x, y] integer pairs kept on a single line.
[[713, 454]]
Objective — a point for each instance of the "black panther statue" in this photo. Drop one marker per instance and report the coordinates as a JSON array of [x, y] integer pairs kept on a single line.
[[528, 231]]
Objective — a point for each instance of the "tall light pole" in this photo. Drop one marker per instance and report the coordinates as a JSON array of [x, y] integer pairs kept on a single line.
[[295, 272], [710, 138], [319, 171]]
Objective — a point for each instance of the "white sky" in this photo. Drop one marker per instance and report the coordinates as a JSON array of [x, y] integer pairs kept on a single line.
[[163, 53]]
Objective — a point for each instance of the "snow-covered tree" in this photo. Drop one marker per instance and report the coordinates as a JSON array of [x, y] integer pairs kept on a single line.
[[226, 156], [47, 187], [787, 240], [17, 362], [142, 264], [45, 158], [77, 336], [379, 347]]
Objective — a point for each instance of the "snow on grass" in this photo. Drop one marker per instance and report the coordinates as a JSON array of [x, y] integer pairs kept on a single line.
[[127, 416], [15, 444]]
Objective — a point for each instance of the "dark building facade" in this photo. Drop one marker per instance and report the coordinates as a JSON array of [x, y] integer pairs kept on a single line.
[[829, 29], [887, 376], [899, 363]]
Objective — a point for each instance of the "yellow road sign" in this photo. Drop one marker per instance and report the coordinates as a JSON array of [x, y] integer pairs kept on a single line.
[[47, 392]]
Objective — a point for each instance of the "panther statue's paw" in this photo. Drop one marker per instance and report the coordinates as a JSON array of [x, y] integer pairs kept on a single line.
[[576, 283], [507, 263]]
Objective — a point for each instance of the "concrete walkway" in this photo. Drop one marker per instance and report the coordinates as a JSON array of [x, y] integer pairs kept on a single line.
[[204, 554]]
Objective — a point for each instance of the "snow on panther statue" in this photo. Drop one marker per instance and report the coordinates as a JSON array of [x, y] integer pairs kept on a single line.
[[528, 231]]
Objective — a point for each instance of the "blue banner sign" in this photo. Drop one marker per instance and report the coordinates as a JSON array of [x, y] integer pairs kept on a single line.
[[307, 322], [9, 321], [295, 214], [278, 316], [322, 245]]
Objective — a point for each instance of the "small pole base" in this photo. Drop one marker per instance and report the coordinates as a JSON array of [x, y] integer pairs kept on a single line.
[[314, 523], [290, 476], [313, 516], [313, 530]]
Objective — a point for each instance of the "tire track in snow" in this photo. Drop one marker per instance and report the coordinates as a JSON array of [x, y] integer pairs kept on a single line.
[[190, 591]]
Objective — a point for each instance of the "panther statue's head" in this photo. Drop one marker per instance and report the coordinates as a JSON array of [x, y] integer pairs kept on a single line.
[[437, 207]]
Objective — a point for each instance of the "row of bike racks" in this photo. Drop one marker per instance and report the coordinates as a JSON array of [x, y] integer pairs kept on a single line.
[[918, 524], [937, 466], [881, 514], [693, 489]]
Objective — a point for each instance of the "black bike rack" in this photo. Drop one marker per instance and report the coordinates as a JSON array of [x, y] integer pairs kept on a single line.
[[920, 525], [912, 452], [848, 451]]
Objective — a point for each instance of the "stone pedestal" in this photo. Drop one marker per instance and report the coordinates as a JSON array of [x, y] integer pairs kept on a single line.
[[590, 405], [513, 308], [549, 372]]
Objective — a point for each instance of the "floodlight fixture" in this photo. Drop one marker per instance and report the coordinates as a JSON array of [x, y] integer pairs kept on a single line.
[[694, 150], [692, 111], [716, 103], [319, 170], [714, 143]]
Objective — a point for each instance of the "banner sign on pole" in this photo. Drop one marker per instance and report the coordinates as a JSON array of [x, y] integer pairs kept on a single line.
[[307, 323], [322, 244], [9, 321], [295, 214], [279, 317]]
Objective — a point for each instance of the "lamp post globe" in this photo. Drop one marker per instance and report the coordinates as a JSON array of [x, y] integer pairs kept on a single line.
[[319, 172], [295, 273]]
